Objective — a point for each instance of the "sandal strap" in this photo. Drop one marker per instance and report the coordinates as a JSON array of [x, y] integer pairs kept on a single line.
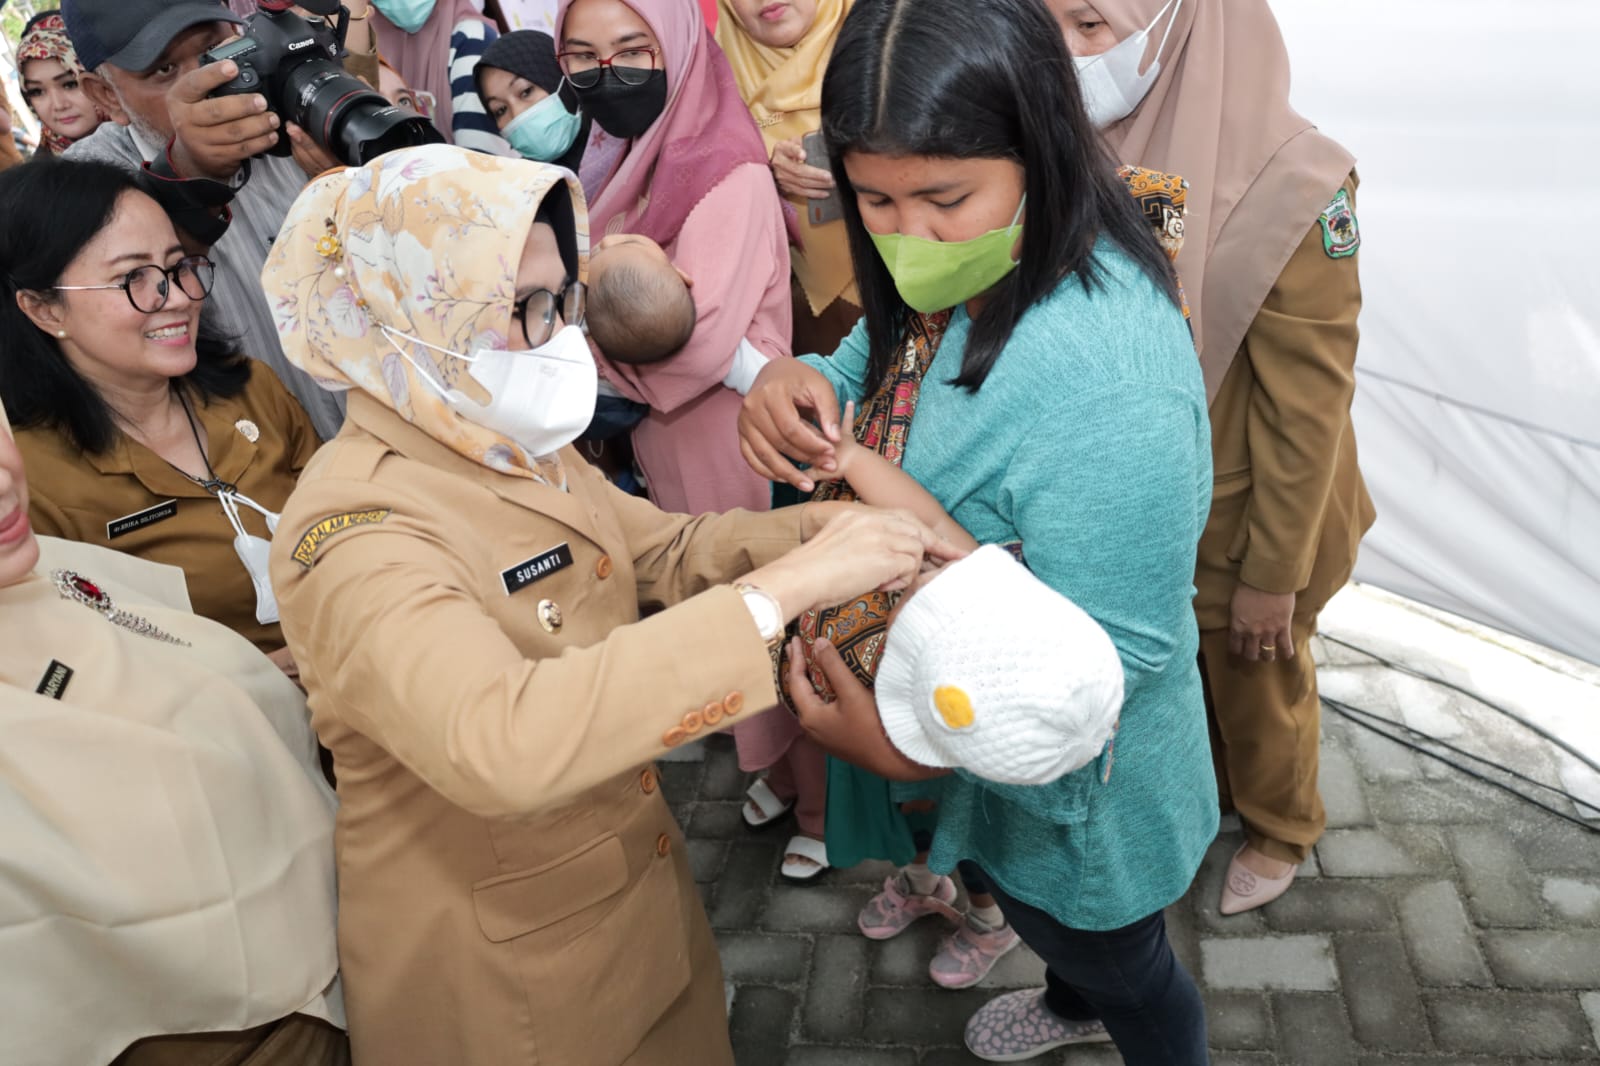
[[765, 800], [807, 848]]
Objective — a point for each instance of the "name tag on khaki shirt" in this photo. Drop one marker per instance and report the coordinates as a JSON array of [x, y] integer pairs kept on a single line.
[[525, 573], [139, 519]]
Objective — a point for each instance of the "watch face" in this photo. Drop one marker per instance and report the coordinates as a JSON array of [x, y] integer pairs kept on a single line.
[[768, 621]]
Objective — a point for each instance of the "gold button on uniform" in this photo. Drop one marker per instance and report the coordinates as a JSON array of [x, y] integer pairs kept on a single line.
[[674, 736], [663, 845], [693, 722], [733, 703], [602, 569], [549, 615], [712, 714], [647, 781]]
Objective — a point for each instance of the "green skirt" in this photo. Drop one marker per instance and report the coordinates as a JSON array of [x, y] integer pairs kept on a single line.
[[865, 821]]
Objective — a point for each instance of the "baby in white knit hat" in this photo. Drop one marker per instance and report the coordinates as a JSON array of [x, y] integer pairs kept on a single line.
[[986, 668], [990, 670]]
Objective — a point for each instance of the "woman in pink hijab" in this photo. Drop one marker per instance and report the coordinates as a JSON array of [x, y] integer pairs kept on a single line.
[[693, 178]]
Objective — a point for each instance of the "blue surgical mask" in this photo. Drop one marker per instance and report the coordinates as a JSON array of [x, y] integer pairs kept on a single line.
[[545, 131], [408, 15]]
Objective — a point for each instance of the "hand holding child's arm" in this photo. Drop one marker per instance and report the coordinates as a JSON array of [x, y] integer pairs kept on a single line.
[[879, 482]]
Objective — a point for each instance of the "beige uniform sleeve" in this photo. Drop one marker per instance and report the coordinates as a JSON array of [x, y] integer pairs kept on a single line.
[[675, 556], [400, 645], [1302, 352]]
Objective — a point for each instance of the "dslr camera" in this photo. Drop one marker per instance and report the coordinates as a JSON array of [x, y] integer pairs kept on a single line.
[[295, 64]]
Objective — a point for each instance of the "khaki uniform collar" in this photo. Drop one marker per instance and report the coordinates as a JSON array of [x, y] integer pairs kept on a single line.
[[227, 448], [572, 508]]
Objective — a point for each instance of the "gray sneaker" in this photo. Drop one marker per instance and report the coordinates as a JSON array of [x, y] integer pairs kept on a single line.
[[1018, 1026]]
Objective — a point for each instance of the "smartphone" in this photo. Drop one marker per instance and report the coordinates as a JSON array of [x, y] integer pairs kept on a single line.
[[828, 208]]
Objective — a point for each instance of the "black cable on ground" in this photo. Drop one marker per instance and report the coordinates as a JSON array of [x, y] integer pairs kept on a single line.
[[1411, 671], [1367, 720]]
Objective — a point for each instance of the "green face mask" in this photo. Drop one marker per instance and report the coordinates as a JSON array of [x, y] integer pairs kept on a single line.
[[934, 275]]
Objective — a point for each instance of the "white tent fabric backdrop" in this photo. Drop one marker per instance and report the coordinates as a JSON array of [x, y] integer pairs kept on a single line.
[[1478, 384]]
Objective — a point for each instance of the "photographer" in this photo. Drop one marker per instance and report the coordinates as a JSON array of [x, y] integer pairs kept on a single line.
[[145, 59]]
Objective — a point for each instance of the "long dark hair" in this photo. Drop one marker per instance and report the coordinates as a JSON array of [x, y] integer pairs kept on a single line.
[[49, 210], [978, 79]]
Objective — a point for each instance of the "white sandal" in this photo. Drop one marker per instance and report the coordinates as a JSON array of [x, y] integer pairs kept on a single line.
[[769, 808], [807, 848]]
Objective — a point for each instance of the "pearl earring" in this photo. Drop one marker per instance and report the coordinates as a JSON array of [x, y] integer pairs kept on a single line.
[[62, 334]]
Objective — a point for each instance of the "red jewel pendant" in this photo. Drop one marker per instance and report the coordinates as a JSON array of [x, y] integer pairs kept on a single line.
[[91, 590]]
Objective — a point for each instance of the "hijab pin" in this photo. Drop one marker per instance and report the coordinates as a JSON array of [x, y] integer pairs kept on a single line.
[[330, 248]]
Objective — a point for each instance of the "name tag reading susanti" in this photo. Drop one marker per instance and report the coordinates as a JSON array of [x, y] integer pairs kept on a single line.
[[139, 519], [525, 573]]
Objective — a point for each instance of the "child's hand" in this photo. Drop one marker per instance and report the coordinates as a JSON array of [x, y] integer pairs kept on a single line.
[[844, 449]]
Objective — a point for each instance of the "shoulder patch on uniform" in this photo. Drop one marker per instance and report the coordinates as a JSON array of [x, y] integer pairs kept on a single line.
[[1340, 234], [305, 553]]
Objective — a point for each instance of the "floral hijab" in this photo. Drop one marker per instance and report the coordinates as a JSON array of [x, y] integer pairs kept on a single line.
[[426, 242], [46, 38]]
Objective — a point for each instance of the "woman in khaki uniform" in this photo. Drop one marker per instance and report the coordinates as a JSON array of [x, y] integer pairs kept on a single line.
[[137, 430], [1270, 269], [465, 593]]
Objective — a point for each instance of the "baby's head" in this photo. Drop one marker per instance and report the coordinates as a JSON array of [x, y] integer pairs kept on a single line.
[[989, 669], [639, 306]]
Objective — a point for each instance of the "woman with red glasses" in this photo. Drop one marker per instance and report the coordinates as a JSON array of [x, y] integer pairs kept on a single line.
[[694, 178]]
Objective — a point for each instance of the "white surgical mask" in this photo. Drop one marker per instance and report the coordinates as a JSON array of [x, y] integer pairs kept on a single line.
[[1111, 83], [253, 552], [541, 398]]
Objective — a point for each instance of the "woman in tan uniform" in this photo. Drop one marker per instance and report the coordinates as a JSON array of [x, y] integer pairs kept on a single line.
[[466, 594], [1270, 269], [140, 433]]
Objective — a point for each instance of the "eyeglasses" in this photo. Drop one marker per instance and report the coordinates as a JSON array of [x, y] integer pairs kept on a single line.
[[421, 102], [632, 66], [537, 311], [148, 287]]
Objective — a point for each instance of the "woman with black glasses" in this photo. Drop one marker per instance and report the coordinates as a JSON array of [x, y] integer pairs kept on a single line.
[[139, 432], [465, 593], [694, 179]]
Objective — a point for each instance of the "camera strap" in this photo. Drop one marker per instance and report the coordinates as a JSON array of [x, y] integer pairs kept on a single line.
[[192, 203]]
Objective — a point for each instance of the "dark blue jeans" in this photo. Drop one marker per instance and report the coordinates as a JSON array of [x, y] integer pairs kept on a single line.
[[1128, 978]]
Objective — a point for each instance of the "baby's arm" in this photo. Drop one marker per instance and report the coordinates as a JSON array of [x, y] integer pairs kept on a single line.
[[880, 483]]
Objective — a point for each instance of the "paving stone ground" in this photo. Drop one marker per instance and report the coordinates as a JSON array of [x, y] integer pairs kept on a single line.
[[1439, 923]]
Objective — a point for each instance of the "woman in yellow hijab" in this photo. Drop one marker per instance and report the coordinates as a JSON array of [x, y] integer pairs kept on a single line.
[[778, 50]]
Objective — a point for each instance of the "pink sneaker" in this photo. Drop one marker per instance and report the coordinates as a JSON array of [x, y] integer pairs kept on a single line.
[[1018, 1026], [968, 954], [889, 912]]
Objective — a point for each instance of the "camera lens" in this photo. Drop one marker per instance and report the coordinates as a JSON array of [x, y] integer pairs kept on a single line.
[[343, 115]]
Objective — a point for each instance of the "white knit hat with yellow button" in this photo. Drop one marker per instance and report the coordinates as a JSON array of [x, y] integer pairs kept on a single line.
[[989, 669]]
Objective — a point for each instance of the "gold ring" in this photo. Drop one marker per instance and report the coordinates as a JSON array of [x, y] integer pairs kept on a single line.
[[1269, 647]]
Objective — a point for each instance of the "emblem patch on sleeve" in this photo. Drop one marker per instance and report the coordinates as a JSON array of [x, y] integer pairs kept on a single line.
[[305, 553], [1340, 234]]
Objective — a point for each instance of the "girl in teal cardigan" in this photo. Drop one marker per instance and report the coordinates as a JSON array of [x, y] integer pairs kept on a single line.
[[1063, 408]]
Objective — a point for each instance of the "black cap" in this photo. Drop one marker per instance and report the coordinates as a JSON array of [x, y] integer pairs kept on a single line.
[[132, 34]]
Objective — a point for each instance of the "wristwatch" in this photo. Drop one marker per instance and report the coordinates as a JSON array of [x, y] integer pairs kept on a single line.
[[765, 611]]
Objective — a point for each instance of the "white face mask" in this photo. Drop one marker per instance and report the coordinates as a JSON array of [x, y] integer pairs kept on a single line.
[[1111, 83], [542, 398], [253, 552]]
